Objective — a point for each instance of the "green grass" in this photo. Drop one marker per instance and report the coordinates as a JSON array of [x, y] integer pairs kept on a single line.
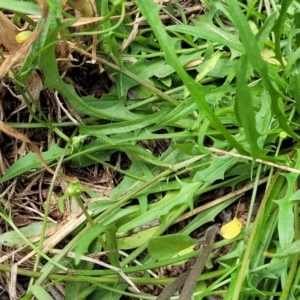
[[241, 96]]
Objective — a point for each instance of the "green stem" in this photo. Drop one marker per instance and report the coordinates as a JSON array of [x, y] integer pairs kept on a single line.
[[295, 259], [253, 240], [75, 274], [48, 200]]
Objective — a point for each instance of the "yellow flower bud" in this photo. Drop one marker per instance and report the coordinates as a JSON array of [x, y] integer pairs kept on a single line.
[[22, 36]]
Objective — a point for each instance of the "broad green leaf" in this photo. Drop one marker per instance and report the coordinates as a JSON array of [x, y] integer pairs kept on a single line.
[[110, 104], [101, 293], [73, 289], [30, 161], [236, 252], [20, 6], [216, 96], [292, 60], [112, 245], [263, 118], [221, 68], [294, 86], [208, 66], [85, 241], [141, 153], [128, 183], [84, 244], [40, 293], [294, 248], [12, 239], [136, 239], [49, 25], [83, 161], [295, 196], [142, 68], [165, 247], [188, 147], [183, 59], [264, 32]]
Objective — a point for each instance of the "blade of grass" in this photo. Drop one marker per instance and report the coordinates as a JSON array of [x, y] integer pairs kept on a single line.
[[237, 281], [22, 7]]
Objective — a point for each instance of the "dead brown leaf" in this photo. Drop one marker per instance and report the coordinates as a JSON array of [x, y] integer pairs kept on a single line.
[[8, 31], [20, 136], [22, 50], [19, 53]]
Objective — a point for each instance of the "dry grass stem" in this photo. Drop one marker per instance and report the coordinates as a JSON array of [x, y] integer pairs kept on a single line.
[[281, 167]]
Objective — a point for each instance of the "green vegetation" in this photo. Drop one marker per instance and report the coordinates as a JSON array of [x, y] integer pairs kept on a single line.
[[194, 105]]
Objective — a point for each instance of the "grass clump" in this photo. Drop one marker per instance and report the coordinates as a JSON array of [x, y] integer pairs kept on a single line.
[[144, 115]]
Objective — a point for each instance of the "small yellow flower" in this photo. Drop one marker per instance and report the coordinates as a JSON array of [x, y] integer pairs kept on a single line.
[[22, 36], [232, 229]]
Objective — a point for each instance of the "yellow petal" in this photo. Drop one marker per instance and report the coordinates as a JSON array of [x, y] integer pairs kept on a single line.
[[22, 36], [231, 229]]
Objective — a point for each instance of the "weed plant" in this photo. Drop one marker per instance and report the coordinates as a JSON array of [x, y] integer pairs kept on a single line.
[[220, 92]]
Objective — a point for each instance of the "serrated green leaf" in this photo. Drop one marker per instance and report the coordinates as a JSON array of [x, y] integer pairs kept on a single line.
[[207, 216], [209, 32], [217, 169], [184, 109], [286, 211], [164, 206]]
